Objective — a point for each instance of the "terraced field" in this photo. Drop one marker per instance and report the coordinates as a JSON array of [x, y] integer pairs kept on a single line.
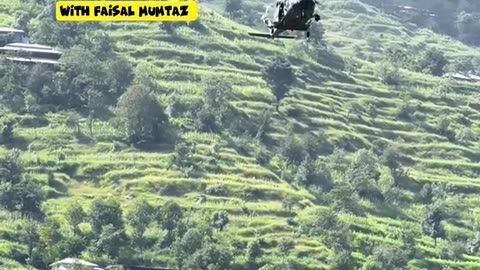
[[318, 103]]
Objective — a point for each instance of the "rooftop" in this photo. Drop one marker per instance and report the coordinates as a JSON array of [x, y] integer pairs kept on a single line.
[[33, 60], [26, 45], [74, 261], [10, 30], [9, 48]]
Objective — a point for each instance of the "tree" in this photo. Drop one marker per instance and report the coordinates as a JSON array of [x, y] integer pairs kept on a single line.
[[6, 130], [210, 257], [397, 55], [342, 260], [466, 135], [19, 193], [293, 149], [314, 173], [390, 158], [106, 212], [254, 250], [29, 198], [110, 241], [344, 197], [433, 61], [73, 122], [443, 87], [280, 76], [333, 232], [363, 174], [75, 215], [285, 246], [468, 26], [386, 258], [141, 117], [409, 236], [388, 73], [145, 76], [139, 218], [50, 238], [186, 246], [52, 33], [220, 220], [170, 214], [432, 223], [353, 106], [214, 113], [443, 125], [11, 167]]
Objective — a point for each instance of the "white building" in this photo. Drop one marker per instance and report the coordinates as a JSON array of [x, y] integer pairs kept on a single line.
[[73, 264]]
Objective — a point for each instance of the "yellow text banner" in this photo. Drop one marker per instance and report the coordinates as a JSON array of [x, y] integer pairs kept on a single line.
[[126, 11]]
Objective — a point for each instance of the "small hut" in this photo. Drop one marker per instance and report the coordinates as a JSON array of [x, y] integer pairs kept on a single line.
[[73, 264]]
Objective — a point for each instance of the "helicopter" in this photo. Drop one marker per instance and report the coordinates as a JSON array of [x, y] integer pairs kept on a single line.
[[293, 15]]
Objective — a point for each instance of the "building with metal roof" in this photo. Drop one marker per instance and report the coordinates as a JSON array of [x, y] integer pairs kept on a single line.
[[9, 35], [29, 46], [10, 30], [31, 53], [73, 264]]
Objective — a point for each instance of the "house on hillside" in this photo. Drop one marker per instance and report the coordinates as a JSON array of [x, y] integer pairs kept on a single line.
[[74, 264], [461, 77], [12, 35], [31, 53], [475, 78]]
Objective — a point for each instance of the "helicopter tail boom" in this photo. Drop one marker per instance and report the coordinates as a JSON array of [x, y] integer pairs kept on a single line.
[[270, 36]]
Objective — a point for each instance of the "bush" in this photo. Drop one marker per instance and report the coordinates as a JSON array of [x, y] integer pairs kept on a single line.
[[6, 130], [388, 73], [217, 190], [433, 61]]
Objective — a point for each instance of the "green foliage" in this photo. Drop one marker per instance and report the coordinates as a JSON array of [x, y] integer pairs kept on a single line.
[[363, 174], [139, 218], [432, 61], [220, 219], [280, 76], [342, 260], [432, 222], [254, 250], [285, 245], [467, 23], [334, 233], [314, 173], [293, 149], [262, 204], [216, 110], [169, 215], [443, 88], [388, 73], [386, 257], [106, 212], [344, 197], [75, 215], [186, 246], [141, 117], [210, 257]]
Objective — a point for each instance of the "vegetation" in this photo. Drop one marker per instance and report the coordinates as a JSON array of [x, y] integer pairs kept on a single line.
[[159, 144]]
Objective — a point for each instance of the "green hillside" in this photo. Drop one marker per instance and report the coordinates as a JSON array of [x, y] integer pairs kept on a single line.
[[382, 157]]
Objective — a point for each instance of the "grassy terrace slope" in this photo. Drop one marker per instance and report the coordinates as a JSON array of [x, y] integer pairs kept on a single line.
[[317, 103]]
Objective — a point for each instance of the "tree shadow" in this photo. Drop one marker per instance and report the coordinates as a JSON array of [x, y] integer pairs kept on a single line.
[[17, 142]]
